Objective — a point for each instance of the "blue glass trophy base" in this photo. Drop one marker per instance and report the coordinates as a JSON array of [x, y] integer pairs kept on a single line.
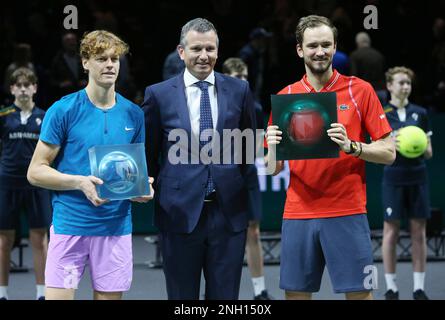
[[123, 170]]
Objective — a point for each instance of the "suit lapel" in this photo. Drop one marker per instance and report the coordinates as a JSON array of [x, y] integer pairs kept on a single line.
[[181, 102], [221, 90]]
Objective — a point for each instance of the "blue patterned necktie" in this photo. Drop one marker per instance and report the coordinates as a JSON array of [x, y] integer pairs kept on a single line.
[[205, 122]]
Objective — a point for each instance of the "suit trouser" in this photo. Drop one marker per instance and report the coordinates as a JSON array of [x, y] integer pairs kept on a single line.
[[212, 248]]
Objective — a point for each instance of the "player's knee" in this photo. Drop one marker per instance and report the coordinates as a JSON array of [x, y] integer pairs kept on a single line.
[[6, 241], [418, 236], [418, 226], [360, 295], [59, 294], [391, 234], [5, 245], [298, 295], [99, 295], [38, 239], [253, 233], [38, 245]]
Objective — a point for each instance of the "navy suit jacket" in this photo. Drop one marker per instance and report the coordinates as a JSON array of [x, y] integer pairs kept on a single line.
[[180, 188]]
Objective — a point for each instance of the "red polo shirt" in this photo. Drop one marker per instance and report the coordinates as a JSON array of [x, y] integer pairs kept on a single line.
[[323, 188]]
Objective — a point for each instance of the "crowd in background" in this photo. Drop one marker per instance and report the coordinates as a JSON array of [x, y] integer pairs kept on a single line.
[[410, 33]]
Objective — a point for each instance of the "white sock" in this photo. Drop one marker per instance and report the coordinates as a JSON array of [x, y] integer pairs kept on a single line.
[[4, 292], [40, 290], [258, 285], [391, 281], [419, 280]]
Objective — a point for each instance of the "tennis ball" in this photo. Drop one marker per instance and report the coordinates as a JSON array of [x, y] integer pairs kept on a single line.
[[412, 141]]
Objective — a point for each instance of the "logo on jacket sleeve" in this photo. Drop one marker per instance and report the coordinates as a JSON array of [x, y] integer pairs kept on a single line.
[[343, 107]]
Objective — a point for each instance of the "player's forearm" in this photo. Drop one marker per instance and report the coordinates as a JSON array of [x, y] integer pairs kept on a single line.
[[381, 151], [44, 176]]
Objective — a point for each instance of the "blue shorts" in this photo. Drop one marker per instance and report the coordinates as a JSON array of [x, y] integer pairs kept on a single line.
[[412, 202], [36, 203], [343, 244]]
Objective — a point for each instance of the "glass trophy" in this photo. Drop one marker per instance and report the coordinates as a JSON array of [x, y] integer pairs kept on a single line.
[[123, 170]]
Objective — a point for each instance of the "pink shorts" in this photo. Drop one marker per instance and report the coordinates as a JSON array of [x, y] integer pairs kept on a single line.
[[110, 260]]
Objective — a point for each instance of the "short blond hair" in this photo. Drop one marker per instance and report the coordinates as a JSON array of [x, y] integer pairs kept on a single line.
[[96, 42], [392, 71]]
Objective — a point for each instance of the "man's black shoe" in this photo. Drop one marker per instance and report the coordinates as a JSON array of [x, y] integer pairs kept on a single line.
[[391, 295], [263, 296], [420, 295]]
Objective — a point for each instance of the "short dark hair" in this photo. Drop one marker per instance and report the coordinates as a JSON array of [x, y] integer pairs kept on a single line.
[[233, 65], [200, 25], [25, 73], [313, 21]]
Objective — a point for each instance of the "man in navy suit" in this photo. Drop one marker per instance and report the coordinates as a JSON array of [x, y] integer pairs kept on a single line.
[[200, 207]]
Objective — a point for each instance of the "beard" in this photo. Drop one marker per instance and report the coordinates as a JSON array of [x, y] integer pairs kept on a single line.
[[318, 68]]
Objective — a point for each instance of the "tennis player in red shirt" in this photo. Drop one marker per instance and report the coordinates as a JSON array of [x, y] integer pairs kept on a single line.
[[324, 221]]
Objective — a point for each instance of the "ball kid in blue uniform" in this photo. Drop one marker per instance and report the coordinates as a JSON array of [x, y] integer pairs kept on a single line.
[[20, 126], [405, 190]]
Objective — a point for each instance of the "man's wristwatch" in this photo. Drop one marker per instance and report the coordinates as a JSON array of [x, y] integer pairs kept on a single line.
[[353, 147]]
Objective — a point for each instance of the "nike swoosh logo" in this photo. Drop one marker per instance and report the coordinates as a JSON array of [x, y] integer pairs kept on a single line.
[[128, 129]]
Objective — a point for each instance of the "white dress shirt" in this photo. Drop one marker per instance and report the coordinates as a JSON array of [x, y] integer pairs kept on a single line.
[[193, 96]]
